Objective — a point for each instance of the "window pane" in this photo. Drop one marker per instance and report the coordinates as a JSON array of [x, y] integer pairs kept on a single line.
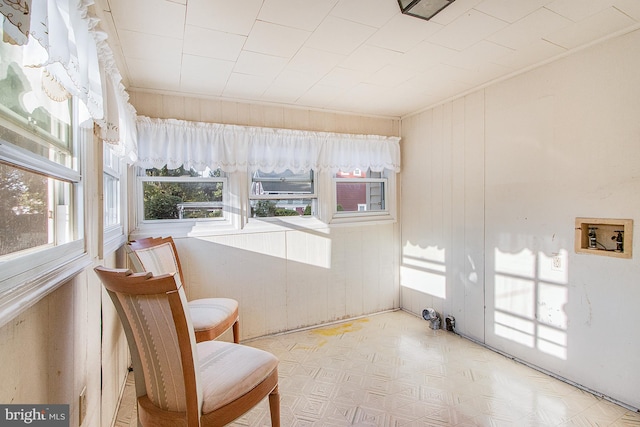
[[182, 200], [285, 183], [32, 206], [111, 187], [181, 194], [110, 160], [360, 196], [281, 207], [282, 194], [111, 200], [24, 103]]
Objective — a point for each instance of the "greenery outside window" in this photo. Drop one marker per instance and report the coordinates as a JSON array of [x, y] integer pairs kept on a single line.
[[179, 195], [282, 194]]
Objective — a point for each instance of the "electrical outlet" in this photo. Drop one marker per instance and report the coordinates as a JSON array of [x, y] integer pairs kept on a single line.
[[82, 406], [556, 263]]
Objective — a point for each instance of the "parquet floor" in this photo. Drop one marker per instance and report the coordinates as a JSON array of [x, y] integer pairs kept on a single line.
[[391, 369]]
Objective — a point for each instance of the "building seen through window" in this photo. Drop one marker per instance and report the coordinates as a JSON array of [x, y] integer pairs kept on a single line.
[[282, 194], [360, 191]]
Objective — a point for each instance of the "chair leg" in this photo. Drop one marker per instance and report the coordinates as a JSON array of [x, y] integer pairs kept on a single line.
[[236, 332], [274, 407]]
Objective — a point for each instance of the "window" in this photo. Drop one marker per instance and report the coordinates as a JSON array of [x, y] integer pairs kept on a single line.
[[113, 220], [360, 194], [40, 182], [111, 188], [179, 194], [282, 194], [305, 183]]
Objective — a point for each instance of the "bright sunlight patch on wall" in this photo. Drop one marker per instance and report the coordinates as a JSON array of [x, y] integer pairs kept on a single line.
[[425, 271], [530, 300]]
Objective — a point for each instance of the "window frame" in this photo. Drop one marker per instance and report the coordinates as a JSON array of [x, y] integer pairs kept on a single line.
[[28, 275], [239, 210], [113, 235], [388, 179]]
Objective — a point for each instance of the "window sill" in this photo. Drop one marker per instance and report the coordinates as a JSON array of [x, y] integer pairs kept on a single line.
[[19, 299], [255, 225], [283, 223], [113, 243], [354, 219]]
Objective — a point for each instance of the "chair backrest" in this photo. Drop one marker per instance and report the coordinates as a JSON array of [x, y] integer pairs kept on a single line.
[[158, 255], [160, 336]]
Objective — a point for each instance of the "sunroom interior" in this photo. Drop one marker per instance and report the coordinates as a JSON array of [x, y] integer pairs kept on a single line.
[[493, 139]]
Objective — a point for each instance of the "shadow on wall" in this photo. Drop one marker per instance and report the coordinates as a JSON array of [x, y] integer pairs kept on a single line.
[[291, 279]]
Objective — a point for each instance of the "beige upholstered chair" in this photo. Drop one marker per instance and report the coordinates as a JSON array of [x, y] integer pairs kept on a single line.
[[179, 382], [211, 316]]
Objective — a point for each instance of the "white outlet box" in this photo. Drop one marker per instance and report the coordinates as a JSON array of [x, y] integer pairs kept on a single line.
[[556, 262]]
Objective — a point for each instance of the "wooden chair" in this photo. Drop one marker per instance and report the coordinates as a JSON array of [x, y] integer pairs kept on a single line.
[[180, 382], [211, 316]]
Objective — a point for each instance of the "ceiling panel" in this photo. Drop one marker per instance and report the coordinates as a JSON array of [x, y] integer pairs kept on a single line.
[[259, 64], [374, 13], [245, 86], [477, 55], [316, 63], [277, 40], [223, 15], [344, 78], [470, 28], [213, 44], [149, 16], [534, 26], [370, 59], [152, 47], [155, 75], [629, 7], [289, 86], [403, 32], [201, 75], [537, 51], [354, 56], [509, 10], [303, 14], [339, 35], [577, 10], [607, 21]]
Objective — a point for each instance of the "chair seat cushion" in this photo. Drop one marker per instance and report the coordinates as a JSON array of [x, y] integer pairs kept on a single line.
[[229, 370], [208, 312]]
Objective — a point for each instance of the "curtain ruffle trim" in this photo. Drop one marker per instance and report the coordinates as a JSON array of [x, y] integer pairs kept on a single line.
[[232, 148]]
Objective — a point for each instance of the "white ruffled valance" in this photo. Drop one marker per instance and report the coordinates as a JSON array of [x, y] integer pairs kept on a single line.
[[56, 35], [234, 148], [61, 37]]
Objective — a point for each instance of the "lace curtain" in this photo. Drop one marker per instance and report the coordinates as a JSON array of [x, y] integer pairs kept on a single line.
[[61, 37], [233, 148]]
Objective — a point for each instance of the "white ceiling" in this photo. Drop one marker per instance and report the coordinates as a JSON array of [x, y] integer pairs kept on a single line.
[[356, 56]]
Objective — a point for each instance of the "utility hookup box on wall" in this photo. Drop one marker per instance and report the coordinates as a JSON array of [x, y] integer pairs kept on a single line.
[[603, 236]]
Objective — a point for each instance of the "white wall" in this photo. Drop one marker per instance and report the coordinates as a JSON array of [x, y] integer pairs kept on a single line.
[[295, 278], [492, 184], [52, 351]]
